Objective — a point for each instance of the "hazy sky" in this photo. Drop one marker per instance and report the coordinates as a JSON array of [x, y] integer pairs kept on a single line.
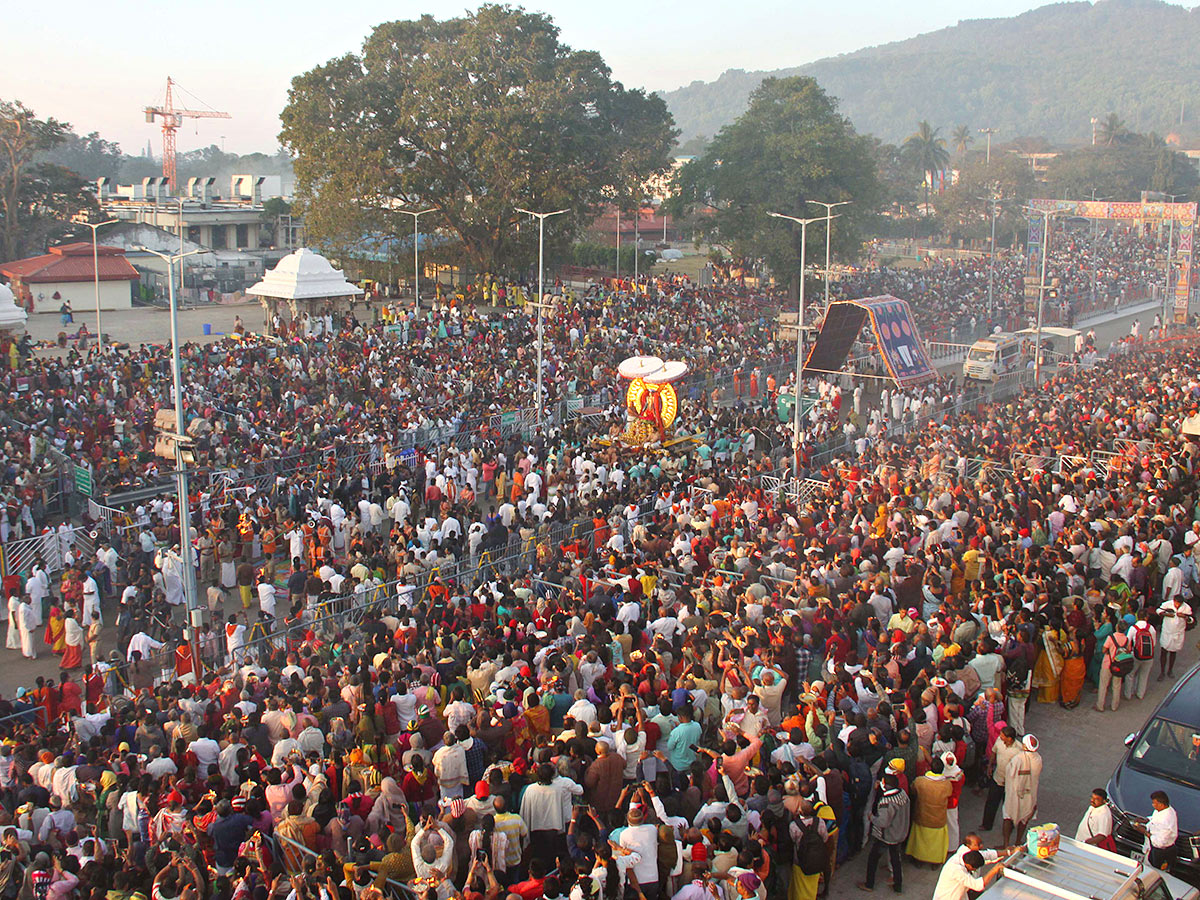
[[97, 65]]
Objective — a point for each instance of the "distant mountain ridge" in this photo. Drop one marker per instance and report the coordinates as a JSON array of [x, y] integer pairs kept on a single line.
[[1045, 73]]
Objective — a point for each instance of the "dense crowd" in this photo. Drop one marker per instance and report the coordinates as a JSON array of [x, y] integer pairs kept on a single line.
[[447, 658], [950, 297], [711, 690]]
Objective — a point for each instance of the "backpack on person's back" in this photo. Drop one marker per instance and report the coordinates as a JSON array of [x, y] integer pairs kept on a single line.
[[1143, 642], [810, 852]]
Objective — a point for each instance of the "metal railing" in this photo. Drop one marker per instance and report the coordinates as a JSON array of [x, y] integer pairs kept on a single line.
[[517, 558], [946, 352], [17, 557], [35, 716]]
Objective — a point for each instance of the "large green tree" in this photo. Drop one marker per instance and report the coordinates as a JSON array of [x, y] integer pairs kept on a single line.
[[965, 208], [23, 136], [1121, 172], [790, 146], [475, 115]]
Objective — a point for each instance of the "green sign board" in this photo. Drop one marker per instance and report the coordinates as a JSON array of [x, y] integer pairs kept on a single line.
[[785, 405], [511, 419], [83, 481]]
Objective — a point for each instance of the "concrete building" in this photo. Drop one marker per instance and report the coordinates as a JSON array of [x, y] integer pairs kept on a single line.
[[43, 283], [244, 239]]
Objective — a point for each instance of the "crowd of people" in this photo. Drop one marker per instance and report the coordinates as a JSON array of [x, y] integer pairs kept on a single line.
[[950, 297], [545, 666]]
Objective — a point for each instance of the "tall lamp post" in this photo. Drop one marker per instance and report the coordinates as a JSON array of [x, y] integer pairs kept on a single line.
[[829, 207], [416, 214], [803, 223], [190, 597], [989, 132], [541, 217], [96, 276], [1046, 215], [994, 201], [1167, 264]]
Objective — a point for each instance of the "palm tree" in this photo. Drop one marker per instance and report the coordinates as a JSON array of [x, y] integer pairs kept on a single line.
[[927, 150], [962, 139], [1111, 131]]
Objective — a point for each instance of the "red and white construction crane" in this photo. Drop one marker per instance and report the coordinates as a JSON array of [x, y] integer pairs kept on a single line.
[[172, 117]]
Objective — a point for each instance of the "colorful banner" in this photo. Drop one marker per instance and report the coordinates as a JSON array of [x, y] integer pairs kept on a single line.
[[895, 335], [1183, 288], [1033, 261], [901, 348], [1106, 209]]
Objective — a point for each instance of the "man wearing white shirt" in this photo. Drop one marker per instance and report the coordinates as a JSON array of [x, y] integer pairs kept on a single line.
[[266, 599], [506, 512], [91, 600], [36, 590], [207, 751], [143, 644], [963, 874], [401, 510], [582, 710], [1097, 822], [1163, 830]]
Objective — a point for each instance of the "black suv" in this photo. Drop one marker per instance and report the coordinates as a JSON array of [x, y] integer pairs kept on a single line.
[[1164, 755]]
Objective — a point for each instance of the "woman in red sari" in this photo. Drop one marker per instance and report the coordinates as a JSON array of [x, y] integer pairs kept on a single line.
[[73, 636]]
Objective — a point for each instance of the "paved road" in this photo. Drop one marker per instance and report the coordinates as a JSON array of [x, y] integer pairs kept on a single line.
[[1081, 747], [151, 325]]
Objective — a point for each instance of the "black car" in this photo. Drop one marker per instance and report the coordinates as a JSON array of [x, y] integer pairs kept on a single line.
[[1163, 756]]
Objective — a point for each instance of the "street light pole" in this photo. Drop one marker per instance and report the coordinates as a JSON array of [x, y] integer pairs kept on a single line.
[[1046, 214], [96, 277], [541, 217], [992, 264], [803, 223], [1167, 265], [989, 132], [191, 599], [416, 214], [828, 232], [618, 277]]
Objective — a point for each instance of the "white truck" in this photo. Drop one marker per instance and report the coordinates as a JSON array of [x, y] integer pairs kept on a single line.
[[1082, 871], [994, 356]]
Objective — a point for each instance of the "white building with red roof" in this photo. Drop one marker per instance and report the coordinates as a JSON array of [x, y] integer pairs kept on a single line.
[[67, 273]]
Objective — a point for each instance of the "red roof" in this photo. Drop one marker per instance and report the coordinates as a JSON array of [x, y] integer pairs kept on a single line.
[[71, 262]]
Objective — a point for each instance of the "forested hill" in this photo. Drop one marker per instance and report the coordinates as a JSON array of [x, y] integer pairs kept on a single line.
[[1045, 73]]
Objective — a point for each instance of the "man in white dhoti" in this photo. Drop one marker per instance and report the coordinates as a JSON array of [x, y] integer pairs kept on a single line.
[[29, 626], [37, 586], [91, 599], [1021, 779], [13, 640], [172, 570]]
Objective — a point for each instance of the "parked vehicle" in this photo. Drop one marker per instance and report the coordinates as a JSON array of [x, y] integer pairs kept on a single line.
[[994, 356], [1164, 755], [1082, 871]]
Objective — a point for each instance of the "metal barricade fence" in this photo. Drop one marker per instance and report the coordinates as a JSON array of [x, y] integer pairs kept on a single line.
[[348, 610], [17, 557], [35, 716]]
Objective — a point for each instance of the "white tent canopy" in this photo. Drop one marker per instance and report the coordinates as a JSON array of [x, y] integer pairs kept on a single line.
[[304, 275]]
